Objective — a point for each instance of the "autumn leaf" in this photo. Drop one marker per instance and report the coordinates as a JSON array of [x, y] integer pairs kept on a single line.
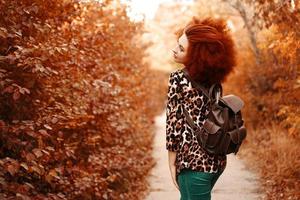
[[47, 126], [13, 168], [24, 165], [44, 133], [37, 152], [3, 32]]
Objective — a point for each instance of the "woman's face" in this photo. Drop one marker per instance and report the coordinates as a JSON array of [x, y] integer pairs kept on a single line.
[[180, 50]]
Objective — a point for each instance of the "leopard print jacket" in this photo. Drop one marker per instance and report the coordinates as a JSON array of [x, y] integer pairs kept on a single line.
[[179, 136]]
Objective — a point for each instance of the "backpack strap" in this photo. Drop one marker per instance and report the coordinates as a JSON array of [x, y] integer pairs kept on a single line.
[[219, 92], [195, 84], [208, 94]]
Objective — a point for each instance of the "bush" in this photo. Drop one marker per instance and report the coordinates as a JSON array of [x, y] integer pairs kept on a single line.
[[76, 110]]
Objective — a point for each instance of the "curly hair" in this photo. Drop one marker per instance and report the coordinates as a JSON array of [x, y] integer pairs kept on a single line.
[[211, 55]]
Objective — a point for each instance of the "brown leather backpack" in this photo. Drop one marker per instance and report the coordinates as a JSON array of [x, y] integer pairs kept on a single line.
[[223, 131]]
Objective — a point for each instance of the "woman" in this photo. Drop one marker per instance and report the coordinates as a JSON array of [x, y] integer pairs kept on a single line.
[[207, 51]]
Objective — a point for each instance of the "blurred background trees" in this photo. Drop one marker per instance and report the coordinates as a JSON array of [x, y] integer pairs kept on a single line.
[[272, 91]]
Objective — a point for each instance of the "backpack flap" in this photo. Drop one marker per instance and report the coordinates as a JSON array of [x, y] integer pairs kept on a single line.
[[210, 127], [211, 135], [234, 102]]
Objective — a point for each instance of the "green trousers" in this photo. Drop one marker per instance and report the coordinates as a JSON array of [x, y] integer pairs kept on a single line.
[[195, 185]]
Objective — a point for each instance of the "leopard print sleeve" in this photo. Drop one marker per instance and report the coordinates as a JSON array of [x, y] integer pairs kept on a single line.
[[173, 125]]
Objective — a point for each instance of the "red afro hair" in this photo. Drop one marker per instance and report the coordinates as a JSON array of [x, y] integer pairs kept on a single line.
[[211, 53]]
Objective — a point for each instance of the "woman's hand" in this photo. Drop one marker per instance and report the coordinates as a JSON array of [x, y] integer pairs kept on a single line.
[[172, 166]]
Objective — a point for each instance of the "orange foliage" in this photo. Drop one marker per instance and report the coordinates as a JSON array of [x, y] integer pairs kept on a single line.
[[271, 90], [77, 103]]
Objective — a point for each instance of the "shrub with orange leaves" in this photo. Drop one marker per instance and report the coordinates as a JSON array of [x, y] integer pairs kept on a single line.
[[76, 104], [271, 90]]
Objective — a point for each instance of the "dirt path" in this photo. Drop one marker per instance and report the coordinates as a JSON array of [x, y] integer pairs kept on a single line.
[[235, 183]]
